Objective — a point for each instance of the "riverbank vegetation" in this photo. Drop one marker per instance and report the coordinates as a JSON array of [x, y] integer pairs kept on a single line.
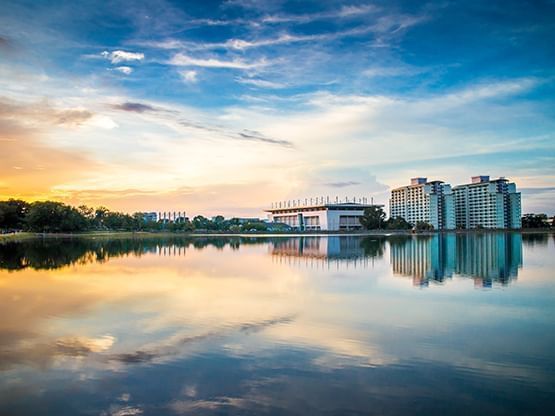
[[57, 217]]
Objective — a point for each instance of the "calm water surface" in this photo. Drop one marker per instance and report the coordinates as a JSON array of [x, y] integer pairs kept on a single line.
[[454, 324]]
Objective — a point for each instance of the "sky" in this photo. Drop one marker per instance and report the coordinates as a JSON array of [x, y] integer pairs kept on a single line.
[[223, 107]]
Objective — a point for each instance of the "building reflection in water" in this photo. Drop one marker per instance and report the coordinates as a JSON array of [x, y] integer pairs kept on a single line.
[[319, 252], [488, 258]]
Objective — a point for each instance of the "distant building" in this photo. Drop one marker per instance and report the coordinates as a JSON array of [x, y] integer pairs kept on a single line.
[[171, 217], [320, 214], [150, 216], [486, 203], [423, 201]]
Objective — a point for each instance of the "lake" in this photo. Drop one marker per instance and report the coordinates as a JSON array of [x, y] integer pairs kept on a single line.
[[431, 325]]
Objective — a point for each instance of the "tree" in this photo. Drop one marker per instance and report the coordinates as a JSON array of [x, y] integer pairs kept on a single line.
[[535, 221], [373, 218], [99, 216], [254, 226], [201, 223], [219, 223], [12, 214], [52, 216], [398, 223], [423, 226]]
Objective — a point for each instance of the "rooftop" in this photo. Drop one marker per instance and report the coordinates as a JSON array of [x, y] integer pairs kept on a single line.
[[334, 205]]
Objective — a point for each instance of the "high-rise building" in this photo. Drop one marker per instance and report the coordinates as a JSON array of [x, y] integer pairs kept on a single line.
[[423, 201], [486, 203]]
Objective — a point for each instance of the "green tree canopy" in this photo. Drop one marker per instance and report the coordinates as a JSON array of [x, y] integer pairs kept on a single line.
[[398, 223], [373, 218], [12, 214], [424, 226], [535, 221], [49, 216]]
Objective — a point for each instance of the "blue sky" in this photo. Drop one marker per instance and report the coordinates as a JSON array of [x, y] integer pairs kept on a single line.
[[227, 106]]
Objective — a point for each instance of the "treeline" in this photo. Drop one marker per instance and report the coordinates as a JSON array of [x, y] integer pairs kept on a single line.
[[54, 217], [537, 221]]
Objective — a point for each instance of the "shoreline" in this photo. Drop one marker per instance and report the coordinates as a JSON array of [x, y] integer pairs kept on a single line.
[[150, 234]]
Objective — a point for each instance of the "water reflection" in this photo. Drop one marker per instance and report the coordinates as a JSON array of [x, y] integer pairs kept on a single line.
[[319, 251], [487, 257], [256, 326], [53, 253]]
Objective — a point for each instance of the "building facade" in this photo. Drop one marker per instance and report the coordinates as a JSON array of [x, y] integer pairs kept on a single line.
[[486, 203], [322, 216], [423, 201]]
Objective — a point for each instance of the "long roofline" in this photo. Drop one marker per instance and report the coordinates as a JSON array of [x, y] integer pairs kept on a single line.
[[325, 205], [501, 178]]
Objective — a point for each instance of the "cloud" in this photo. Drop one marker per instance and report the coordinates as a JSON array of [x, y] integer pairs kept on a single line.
[[189, 77], [124, 69], [257, 136], [282, 39], [122, 56], [261, 83], [178, 118], [103, 122], [343, 12], [391, 71], [134, 107], [342, 184], [538, 190], [492, 89], [181, 59], [43, 113], [384, 27], [73, 117]]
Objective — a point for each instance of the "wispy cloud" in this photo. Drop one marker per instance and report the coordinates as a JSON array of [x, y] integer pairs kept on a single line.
[[392, 71], [385, 25], [261, 83], [181, 59], [179, 119], [343, 12], [119, 56], [259, 137]]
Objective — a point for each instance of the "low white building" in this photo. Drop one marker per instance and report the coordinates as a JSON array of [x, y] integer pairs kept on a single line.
[[323, 216]]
